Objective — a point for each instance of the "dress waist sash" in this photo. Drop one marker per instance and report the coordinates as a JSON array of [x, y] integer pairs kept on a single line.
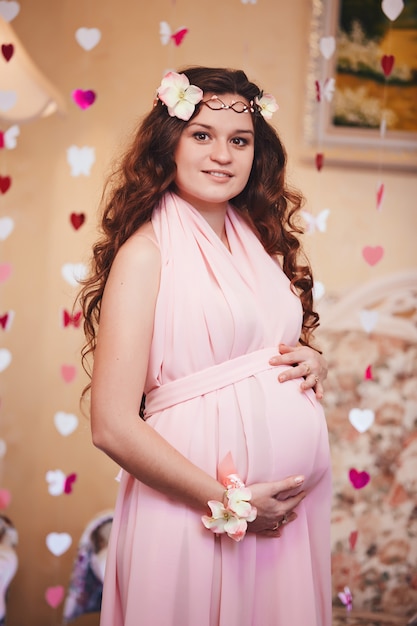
[[208, 380]]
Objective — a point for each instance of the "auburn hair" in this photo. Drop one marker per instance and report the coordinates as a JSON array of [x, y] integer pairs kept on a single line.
[[147, 170]]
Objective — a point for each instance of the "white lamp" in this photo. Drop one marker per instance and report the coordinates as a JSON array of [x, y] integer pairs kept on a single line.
[[25, 93]]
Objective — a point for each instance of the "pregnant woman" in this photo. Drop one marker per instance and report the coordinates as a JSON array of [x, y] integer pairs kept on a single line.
[[223, 512]]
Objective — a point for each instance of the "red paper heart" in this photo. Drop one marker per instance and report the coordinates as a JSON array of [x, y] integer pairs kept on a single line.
[[352, 539], [84, 99], [7, 50], [319, 161], [5, 498], [179, 36], [359, 479], [54, 595], [380, 196], [5, 182], [387, 63], [68, 373], [373, 254], [3, 320], [69, 481], [71, 320], [77, 220]]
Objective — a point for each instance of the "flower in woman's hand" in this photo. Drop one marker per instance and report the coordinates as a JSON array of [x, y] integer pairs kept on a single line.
[[239, 503], [179, 96], [224, 521], [267, 105]]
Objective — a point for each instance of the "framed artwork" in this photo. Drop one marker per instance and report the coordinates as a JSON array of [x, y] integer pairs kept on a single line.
[[362, 83]]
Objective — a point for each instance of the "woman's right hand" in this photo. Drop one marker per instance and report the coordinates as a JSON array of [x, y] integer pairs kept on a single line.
[[275, 503]]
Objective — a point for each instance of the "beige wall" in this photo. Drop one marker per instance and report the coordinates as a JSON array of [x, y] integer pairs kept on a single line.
[[270, 41]]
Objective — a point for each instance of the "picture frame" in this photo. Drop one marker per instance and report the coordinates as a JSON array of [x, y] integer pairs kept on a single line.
[[368, 117]]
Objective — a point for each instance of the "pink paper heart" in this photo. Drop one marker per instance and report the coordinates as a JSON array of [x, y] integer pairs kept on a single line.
[[5, 272], [387, 63], [54, 595], [7, 51], [5, 498], [68, 372], [373, 254], [84, 98], [179, 35], [368, 373], [353, 538], [359, 480], [69, 481]]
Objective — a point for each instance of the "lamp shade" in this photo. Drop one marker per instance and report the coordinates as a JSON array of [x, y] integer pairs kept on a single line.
[[25, 93]]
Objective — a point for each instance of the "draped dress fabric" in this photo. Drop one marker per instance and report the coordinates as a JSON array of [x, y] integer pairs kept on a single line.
[[219, 317]]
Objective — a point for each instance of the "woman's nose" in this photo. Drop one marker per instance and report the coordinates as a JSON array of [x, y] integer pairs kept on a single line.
[[221, 152]]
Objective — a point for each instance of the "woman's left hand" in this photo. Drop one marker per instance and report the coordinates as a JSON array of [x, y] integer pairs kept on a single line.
[[306, 362]]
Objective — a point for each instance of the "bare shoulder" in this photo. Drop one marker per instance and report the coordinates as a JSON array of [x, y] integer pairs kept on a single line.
[[140, 250]]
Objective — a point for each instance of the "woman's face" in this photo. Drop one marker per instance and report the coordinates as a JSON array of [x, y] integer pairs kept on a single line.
[[214, 155]]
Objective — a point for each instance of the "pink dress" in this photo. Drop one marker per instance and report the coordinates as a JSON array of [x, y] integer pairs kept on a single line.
[[210, 390]]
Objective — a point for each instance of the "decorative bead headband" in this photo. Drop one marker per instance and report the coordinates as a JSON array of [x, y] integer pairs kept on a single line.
[[181, 98]]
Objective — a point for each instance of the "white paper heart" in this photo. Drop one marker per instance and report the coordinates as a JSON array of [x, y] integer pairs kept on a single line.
[[392, 8], [9, 9], [73, 273], [6, 227], [369, 320], [58, 543], [7, 100], [318, 290], [65, 423], [5, 359], [88, 38], [3, 448], [361, 419], [56, 482], [80, 160], [10, 136], [327, 46]]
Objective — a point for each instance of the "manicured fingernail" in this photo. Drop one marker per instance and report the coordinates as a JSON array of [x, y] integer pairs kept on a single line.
[[298, 480]]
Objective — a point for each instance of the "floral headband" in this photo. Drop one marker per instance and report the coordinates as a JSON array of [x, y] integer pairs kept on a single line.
[[181, 99]]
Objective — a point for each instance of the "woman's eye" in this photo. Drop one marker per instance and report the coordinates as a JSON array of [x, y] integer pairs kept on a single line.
[[200, 136], [240, 141]]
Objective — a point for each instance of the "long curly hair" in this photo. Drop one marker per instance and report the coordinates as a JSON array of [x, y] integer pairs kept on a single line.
[[147, 170]]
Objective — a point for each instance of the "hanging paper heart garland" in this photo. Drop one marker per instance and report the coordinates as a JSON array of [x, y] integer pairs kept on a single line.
[[77, 220], [81, 160], [361, 419], [68, 373], [392, 8], [358, 479], [88, 38], [84, 98], [7, 100], [65, 423], [166, 35], [58, 543], [9, 9], [54, 595], [7, 51]]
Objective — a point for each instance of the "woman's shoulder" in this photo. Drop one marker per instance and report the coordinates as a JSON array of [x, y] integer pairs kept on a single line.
[[141, 248]]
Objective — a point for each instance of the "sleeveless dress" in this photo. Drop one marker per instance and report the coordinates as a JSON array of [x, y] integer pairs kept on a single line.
[[210, 391]]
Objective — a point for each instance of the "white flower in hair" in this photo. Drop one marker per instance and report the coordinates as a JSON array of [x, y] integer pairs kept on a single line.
[[179, 96], [267, 105]]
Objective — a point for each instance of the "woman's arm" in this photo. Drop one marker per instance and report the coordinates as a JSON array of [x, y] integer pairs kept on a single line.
[[120, 366]]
